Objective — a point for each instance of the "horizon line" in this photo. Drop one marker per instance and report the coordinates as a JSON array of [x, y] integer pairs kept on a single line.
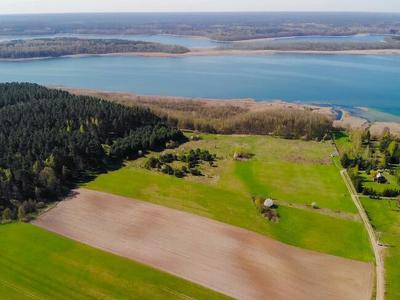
[[198, 12]]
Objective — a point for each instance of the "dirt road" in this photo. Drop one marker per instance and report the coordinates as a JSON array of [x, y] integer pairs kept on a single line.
[[236, 262], [380, 268]]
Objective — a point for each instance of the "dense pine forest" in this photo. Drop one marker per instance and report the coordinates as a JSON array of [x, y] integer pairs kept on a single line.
[[50, 139], [56, 47]]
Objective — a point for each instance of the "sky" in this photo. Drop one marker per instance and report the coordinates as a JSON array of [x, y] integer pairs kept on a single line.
[[62, 6]]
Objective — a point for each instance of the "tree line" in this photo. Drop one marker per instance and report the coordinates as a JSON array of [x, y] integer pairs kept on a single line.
[[56, 47], [230, 117], [50, 139]]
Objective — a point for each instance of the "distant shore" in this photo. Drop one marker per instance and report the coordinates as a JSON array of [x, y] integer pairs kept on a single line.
[[221, 52]]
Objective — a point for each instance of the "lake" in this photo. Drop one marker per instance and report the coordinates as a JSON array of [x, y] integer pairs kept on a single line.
[[352, 80]]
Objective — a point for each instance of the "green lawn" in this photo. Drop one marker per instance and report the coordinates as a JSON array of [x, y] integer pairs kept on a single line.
[[294, 171], [36, 264], [343, 142], [391, 183], [385, 217]]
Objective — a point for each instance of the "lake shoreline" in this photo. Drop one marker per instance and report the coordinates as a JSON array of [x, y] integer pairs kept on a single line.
[[218, 52], [342, 117]]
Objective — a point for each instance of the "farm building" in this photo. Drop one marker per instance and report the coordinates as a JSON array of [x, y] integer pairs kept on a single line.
[[268, 203], [379, 178]]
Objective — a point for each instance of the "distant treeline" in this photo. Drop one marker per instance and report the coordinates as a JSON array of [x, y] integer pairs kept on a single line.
[[220, 26], [56, 47], [390, 43], [226, 118], [50, 139]]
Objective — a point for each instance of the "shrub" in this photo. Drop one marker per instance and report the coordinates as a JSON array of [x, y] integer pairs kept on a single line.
[[369, 192], [152, 163], [171, 144], [271, 215], [168, 158], [179, 173], [7, 215], [21, 213], [390, 193], [166, 169], [259, 203], [195, 172]]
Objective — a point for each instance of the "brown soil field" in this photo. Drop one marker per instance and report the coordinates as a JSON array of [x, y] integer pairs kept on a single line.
[[233, 261]]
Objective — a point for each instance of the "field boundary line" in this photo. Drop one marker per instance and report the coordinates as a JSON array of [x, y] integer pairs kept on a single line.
[[379, 262]]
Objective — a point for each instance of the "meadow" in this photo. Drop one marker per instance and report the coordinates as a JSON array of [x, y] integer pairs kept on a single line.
[[37, 264], [294, 173], [385, 218], [392, 182]]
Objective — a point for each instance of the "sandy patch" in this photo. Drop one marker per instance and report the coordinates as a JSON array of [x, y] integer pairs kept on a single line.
[[379, 128], [351, 122], [236, 262]]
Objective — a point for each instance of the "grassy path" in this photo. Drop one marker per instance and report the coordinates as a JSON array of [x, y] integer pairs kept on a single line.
[[380, 269]]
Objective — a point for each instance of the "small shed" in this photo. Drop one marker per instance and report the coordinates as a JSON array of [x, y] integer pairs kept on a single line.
[[380, 178], [268, 203]]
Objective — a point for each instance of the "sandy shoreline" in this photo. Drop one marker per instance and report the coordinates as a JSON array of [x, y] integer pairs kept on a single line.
[[218, 52]]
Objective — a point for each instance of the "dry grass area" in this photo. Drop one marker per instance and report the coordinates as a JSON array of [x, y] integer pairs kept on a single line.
[[350, 122], [376, 129], [186, 103], [236, 262], [379, 128]]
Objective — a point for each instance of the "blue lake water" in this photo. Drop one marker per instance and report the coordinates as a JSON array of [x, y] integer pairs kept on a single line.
[[353, 80], [186, 41]]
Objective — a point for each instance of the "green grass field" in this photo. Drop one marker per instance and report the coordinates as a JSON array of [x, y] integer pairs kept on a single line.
[[36, 264], [292, 171], [368, 182], [343, 141], [385, 217]]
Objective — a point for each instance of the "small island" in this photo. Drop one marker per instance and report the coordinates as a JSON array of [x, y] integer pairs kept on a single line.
[[57, 47]]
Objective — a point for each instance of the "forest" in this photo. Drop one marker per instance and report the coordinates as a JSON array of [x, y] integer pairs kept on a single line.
[[219, 26], [56, 47], [229, 117], [390, 43], [50, 140]]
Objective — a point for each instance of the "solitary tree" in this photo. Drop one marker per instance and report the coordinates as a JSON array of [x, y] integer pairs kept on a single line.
[[6, 214], [21, 213]]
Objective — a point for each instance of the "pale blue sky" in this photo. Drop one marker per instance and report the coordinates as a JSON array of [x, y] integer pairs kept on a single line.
[[47, 6]]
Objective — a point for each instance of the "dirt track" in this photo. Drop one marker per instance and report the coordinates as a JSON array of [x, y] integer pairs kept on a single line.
[[236, 262], [378, 251]]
